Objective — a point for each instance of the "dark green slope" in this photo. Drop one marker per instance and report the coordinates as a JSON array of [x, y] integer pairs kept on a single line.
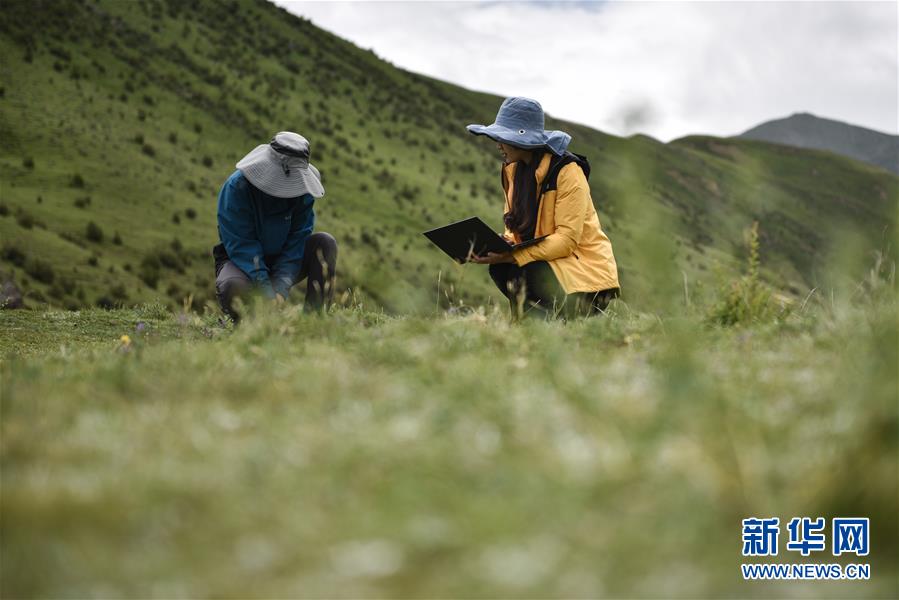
[[131, 114], [811, 205]]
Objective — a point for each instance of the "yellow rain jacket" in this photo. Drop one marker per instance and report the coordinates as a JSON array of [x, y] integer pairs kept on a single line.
[[577, 249]]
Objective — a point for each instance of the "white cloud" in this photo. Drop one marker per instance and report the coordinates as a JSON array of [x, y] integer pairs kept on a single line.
[[663, 68]]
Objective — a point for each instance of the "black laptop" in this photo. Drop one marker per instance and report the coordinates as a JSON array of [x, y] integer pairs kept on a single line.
[[471, 236]]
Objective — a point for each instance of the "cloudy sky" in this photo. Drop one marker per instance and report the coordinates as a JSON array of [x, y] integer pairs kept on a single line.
[[667, 69]]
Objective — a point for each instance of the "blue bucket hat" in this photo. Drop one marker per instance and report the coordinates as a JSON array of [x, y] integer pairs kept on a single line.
[[519, 123]]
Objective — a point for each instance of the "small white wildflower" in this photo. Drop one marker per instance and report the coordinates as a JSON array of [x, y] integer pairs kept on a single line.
[[521, 566], [487, 439], [367, 558], [255, 553], [428, 529], [405, 428], [226, 419]]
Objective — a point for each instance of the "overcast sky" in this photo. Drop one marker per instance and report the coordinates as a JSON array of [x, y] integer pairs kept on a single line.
[[667, 69]]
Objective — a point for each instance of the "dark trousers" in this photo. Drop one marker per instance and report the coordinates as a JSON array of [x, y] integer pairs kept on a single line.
[[319, 269], [534, 290]]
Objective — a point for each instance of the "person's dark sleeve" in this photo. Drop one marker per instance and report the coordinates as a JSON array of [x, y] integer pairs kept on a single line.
[[289, 262], [237, 230]]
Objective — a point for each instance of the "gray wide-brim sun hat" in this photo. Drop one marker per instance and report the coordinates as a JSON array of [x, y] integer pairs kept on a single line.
[[519, 123], [281, 168]]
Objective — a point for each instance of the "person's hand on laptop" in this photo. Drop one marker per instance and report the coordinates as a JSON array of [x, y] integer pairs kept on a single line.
[[492, 258]]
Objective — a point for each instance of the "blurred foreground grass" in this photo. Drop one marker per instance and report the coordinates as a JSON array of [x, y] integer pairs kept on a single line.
[[366, 455]]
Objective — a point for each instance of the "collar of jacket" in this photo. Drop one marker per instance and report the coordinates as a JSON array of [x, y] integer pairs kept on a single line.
[[508, 172]]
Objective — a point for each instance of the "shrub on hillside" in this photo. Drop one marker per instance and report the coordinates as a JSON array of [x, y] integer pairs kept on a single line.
[[370, 240], [148, 150], [82, 202], [190, 213], [117, 239], [118, 292], [385, 178], [93, 232], [149, 271], [72, 238], [409, 192], [13, 254], [4, 209], [28, 162], [105, 302], [40, 270], [66, 284], [62, 287], [77, 181], [24, 219], [745, 300], [170, 260], [60, 53]]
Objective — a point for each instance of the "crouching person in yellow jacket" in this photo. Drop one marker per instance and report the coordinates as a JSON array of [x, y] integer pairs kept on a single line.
[[572, 270]]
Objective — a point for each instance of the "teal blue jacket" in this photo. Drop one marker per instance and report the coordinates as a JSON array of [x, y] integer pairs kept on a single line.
[[264, 235]]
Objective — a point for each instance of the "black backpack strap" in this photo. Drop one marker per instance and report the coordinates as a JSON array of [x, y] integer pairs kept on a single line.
[[552, 176]]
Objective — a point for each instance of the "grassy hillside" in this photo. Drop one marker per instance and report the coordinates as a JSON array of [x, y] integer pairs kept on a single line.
[[120, 120], [363, 455]]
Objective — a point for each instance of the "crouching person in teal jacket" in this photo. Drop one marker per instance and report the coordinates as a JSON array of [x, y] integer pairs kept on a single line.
[[265, 223]]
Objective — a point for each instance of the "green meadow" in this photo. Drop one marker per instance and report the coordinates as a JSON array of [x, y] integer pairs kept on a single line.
[[454, 455]]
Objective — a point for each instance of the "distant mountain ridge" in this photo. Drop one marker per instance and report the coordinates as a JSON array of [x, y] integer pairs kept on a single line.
[[806, 130]]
